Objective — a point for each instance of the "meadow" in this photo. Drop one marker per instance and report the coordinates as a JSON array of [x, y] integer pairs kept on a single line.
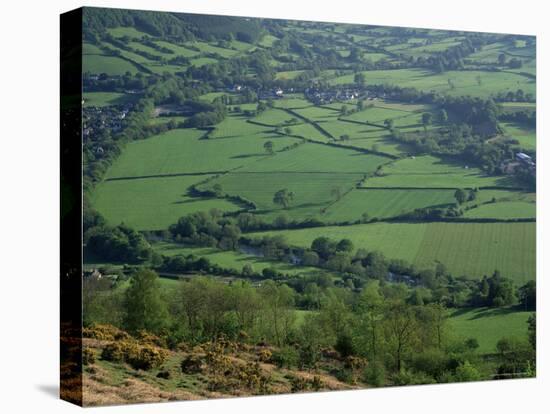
[[108, 98], [132, 201], [433, 172], [465, 82], [469, 249], [175, 152], [312, 191], [487, 325], [111, 65], [525, 135], [236, 259], [385, 203]]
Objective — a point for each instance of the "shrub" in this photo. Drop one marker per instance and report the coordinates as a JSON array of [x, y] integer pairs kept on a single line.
[[148, 338], [104, 332], [139, 357], [375, 374], [113, 352], [147, 357], [432, 362], [299, 384], [467, 372], [191, 364], [345, 375], [88, 356], [286, 357], [164, 375], [264, 355], [344, 345], [410, 378]]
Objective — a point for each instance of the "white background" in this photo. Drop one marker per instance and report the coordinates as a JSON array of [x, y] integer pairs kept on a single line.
[[29, 194]]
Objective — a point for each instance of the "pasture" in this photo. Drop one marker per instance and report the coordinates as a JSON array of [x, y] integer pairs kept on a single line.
[[385, 203], [312, 192], [235, 259], [465, 82], [504, 210], [108, 98], [433, 172], [111, 65], [181, 151], [469, 249], [152, 203], [488, 325], [313, 157], [525, 135]]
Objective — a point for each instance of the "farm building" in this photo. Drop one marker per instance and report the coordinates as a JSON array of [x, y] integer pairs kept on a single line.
[[520, 156]]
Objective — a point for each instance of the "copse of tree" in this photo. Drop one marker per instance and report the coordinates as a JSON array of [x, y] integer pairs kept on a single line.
[[268, 147], [460, 196], [119, 244], [283, 198], [496, 291]]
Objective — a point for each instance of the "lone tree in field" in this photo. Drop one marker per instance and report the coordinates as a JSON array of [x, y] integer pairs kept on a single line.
[[283, 198], [218, 191], [344, 110], [388, 123], [268, 146], [288, 130], [344, 137], [478, 80], [460, 196]]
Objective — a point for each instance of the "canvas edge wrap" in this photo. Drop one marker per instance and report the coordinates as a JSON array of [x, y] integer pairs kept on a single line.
[[71, 206]]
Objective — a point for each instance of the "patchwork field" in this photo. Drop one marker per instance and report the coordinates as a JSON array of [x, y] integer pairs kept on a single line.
[[470, 249]]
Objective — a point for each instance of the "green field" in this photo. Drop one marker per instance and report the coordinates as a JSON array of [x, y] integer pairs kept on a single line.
[[433, 172], [108, 98], [234, 259], [313, 157], [177, 152], [504, 210], [465, 82], [111, 65], [525, 135], [488, 325], [152, 203], [470, 249], [386, 203], [312, 190]]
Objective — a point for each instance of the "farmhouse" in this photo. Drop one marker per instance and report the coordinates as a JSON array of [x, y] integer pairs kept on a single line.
[[524, 158]]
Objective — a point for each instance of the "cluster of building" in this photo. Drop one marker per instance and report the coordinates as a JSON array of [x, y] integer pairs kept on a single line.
[[520, 159], [98, 119], [320, 97]]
